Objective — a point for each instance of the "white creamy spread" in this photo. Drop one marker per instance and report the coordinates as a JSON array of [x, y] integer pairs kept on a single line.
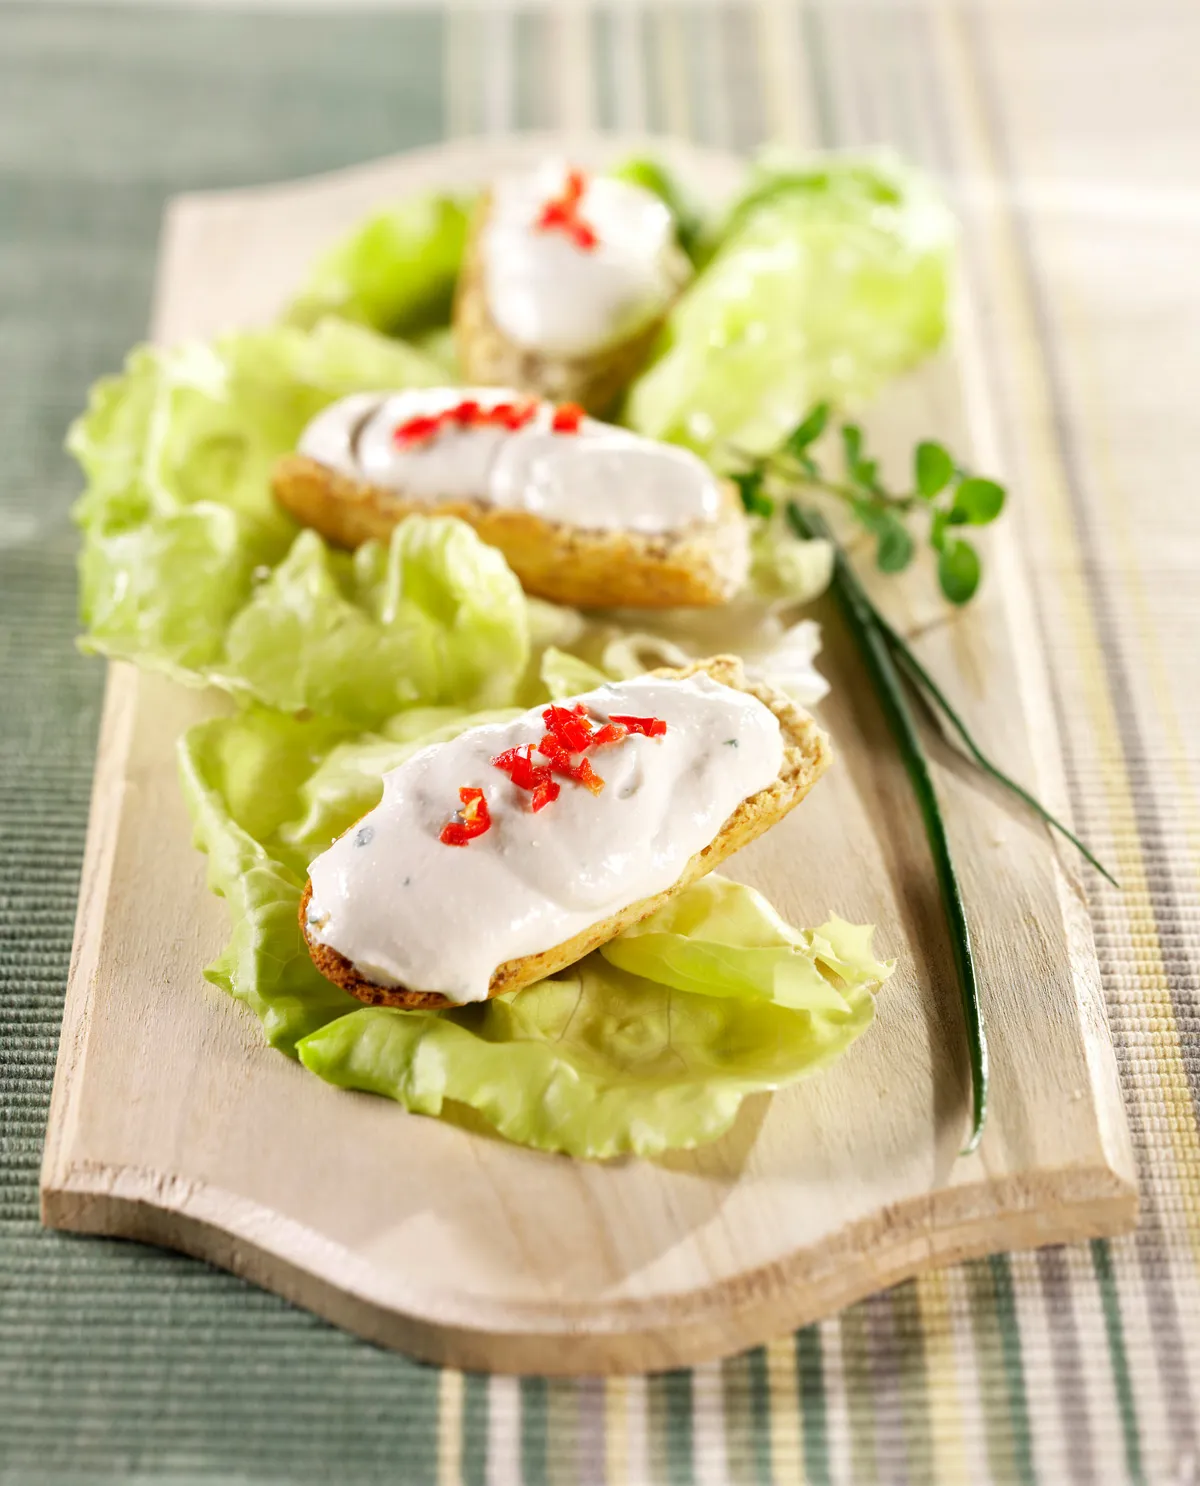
[[598, 478], [547, 293], [408, 910]]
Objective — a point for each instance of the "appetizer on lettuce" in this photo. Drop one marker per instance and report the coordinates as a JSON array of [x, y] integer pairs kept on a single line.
[[567, 278], [190, 567], [648, 1045], [506, 854], [586, 514]]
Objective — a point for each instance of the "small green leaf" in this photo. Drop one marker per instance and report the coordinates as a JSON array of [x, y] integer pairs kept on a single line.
[[937, 530], [869, 514], [866, 473], [895, 549], [810, 430], [933, 468], [980, 501], [959, 570], [754, 498], [852, 439]]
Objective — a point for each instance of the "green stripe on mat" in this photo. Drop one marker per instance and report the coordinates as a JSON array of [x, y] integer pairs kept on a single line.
[[1115, 1329], [747, 1417], [810, 1377], [669, 1397], [1002, 1376], [533, 1431]]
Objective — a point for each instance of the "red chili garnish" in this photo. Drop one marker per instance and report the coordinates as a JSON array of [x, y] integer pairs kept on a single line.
[[611, 732], [466, 414], [649, 727], [545, 792], [571, 728], [583, 773], [471, 820], [561, 213], [567, 418], [416, 430], [525, 774], [559, 754], [569, 734]]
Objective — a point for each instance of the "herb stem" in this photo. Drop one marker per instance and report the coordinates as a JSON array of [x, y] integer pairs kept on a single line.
[[864, 625], [923, 681], [847, 494]]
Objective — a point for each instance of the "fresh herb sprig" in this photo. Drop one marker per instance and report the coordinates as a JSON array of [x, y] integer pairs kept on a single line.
[[943, 497], [949, 498]]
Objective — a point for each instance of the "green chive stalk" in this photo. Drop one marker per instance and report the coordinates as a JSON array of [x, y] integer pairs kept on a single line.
[[873, 645]]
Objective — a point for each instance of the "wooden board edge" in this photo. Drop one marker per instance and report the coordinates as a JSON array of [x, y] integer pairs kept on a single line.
[[105, 806], [680, 1331], [1036, 690], [117, 720]]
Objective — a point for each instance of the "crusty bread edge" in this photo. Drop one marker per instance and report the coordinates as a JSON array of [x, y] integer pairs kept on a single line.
[[701, 565], [486, 356], [806, 757]]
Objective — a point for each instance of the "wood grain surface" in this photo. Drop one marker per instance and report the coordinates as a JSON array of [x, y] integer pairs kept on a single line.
[[173, 1123]]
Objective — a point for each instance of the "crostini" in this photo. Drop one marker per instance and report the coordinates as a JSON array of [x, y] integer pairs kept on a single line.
[[565, 283], [498, 858], [585, 513]]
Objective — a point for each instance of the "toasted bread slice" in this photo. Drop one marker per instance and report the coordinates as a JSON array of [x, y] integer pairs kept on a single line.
[[805, 758], [488, 358], [699, 566]]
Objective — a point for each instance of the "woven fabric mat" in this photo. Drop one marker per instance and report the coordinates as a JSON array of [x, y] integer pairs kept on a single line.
[[1068, 134]]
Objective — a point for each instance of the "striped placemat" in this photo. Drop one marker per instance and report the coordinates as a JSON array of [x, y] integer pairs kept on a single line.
[[1068, 134]]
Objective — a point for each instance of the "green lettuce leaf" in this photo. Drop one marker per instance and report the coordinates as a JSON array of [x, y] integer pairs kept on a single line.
[[651, 1044], [824, 281], [190, 567], [395, 272]]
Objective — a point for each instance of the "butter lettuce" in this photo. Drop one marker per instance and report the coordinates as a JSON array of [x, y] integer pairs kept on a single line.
[[395, 272], [825, 279], [651, 1044], [190, 567]]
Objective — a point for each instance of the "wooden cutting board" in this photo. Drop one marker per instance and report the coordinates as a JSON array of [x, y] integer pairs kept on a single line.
[[171, 1122]]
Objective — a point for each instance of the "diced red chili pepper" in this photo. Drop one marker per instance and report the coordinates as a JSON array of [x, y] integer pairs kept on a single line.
[[561, 213], [525, 774], [567, 418], [471, 820], [466, 414], [561, 762], [584, 774], [416, 430], [572, 729], [649, 727], [546, 792], [611, 732]]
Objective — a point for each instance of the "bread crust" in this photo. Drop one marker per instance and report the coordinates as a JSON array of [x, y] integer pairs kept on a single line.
[[806, 756], [488, 358], [698, 566]]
